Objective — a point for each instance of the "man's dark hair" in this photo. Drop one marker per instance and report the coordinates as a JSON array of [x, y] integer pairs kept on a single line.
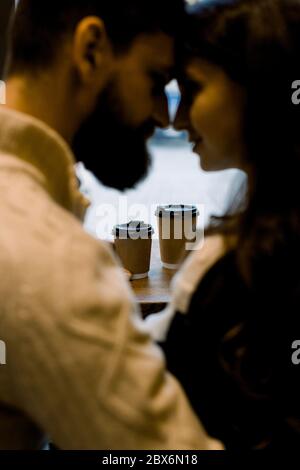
[[39, 26]]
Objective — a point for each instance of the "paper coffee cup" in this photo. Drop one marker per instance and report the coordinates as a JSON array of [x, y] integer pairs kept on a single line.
[[177, 228], [133, 242]]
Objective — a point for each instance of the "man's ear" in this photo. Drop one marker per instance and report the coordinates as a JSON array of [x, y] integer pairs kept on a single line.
[[92, 50]]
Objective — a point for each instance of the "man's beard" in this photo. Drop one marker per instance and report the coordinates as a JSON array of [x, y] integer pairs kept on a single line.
[[113, 151]]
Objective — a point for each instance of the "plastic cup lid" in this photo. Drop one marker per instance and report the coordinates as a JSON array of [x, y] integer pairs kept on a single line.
[[176, 210], [134, 228]]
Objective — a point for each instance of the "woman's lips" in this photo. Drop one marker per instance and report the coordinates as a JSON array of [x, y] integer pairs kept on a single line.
[[197, 145]]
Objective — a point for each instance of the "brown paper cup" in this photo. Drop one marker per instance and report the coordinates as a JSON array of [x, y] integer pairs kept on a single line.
[[133, 243], [177, 227]]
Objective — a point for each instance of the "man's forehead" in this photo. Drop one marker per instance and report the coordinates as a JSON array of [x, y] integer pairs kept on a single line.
[[156, 50]]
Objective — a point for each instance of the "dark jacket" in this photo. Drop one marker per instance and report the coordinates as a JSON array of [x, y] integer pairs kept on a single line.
[[236, 369]]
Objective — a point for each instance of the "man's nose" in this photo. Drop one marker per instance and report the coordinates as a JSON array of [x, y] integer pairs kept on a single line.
[[181, 121], [161, 112]]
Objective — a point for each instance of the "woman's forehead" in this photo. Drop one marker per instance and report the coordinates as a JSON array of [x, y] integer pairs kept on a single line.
[[199, 68]]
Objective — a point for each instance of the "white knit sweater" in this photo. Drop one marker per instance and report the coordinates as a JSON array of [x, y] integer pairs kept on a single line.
[[80, 366]]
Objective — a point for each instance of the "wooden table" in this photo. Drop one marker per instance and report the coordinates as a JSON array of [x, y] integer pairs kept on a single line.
[[153, 293]]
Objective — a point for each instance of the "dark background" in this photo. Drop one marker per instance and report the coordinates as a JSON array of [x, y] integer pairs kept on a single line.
[[6, 7]]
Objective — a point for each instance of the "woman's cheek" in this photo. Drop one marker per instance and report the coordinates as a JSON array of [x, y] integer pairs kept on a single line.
[[196, 115]]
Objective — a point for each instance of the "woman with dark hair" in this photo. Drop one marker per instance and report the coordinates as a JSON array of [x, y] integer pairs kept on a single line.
[[235, 312]]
